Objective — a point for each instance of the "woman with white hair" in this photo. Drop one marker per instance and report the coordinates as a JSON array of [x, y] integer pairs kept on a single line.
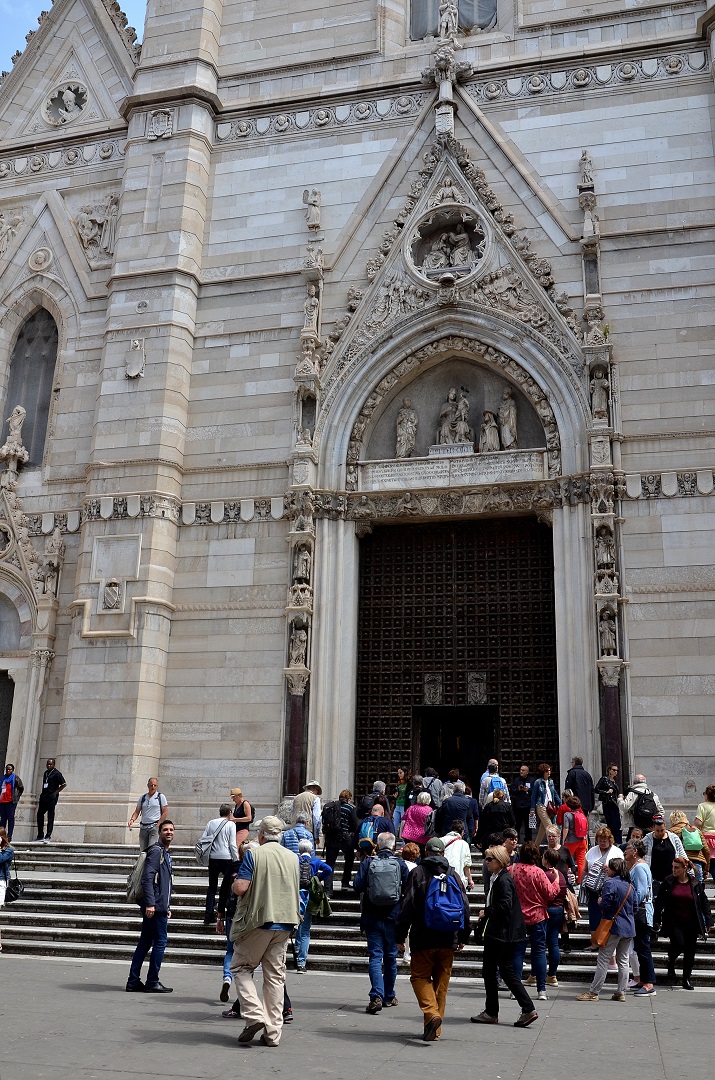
[[413, 823], [310, 866]]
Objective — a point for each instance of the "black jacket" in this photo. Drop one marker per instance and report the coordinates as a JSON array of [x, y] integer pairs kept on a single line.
[[412, 914], [494, 818], [581, 783], [453, 808], [663, 908], [348, 823], [505, 922], [521, 800], [607, 790]]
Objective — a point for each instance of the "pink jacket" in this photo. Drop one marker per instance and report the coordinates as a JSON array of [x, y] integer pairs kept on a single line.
[[413, 823], [534, 890]]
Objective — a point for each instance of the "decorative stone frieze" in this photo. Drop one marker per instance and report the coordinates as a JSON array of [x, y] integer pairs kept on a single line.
[[110, 507], [109, 151], [323, 118], [591, 78], [696, 482]]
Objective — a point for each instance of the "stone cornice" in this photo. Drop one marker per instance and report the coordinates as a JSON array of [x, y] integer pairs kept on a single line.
[[94, 154], [172, 95]]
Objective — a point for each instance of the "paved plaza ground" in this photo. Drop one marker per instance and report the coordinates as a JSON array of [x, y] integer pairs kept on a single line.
[[71, 1020]]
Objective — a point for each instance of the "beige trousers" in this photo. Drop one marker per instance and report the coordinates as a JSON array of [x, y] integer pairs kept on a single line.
[[544, 822], [268, 948]]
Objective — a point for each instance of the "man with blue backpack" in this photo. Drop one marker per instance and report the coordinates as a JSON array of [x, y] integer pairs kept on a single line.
[[435, 913], [491, 782], [381, 880]]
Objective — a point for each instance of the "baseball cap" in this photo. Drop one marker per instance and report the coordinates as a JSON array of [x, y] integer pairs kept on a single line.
[[658, 819], [435, 845]]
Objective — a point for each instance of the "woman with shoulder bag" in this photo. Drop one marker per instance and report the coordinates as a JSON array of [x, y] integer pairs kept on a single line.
[[642, 881], [597, 859], [7, 854], [544, 800], [683, 910], [618, 908]]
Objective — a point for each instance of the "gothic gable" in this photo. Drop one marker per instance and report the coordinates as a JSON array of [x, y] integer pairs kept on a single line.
[[72, 77]]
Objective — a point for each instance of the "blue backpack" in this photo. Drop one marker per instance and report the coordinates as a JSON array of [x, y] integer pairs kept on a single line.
[[496, 784], [444, 907], [367, 830]]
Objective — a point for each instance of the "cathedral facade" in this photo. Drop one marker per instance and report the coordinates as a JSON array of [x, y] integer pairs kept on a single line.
[[357, 365]]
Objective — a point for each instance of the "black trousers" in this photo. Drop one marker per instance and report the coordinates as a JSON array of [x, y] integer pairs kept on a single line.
[[47, 806], [613, 818], [499, 957], [683, 939], [333, 847], [521, 816], [218, 868], [641, 944]]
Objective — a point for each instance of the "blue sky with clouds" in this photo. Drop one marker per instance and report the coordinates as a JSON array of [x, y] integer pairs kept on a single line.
[[17, 17]]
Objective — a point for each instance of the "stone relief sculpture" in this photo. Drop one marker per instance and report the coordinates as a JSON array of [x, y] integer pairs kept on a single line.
[[161, 125], [312, 201], [304, 437], [13, 452], [112, 595], [52, 559], [607, 633], [298, 647], [313, 257], [605, 547], [449, 21], [489, 434], [599, 395], [408, 505], [507, 420], [65, 104], [406, 430], [311, 307], [303, 563], [8, 229], [96, 227], [586, 169]]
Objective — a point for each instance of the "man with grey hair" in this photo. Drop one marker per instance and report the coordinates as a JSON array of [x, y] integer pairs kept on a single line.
[[456, 807], [639, 797], [381, 881], [367, 802], [267, 913]]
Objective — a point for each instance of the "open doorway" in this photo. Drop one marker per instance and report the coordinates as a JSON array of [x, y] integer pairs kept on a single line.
[[460, 737]]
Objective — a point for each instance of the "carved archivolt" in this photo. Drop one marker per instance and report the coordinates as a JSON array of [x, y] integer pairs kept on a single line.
[[460, 346]]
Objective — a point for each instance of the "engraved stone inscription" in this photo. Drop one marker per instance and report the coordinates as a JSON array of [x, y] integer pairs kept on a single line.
[[454, 472]]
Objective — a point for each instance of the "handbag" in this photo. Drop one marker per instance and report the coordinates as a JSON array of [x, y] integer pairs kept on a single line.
[[571, 908], [533, 820], [601, 934], [15, 888], [479, 928], [593, 882]]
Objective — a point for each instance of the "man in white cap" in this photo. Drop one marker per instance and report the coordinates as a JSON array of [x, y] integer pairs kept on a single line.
[[266, 915], [308, 803]]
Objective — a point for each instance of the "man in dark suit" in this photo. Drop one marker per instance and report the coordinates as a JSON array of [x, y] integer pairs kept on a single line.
[[581, 783], [156, 912], [457, 806]]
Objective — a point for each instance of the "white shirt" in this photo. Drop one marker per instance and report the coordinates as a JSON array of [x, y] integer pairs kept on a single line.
[[224, 847], [457, 853]]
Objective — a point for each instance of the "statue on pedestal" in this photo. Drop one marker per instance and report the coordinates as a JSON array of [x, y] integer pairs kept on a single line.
[[13, 452], [489, 434], [406, 430], [507, 420]]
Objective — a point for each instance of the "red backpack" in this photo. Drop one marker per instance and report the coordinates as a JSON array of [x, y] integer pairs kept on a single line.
[[580, 824]]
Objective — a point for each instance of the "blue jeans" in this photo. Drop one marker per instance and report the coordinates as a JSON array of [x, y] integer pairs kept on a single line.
[[382, 951], [227, 976], [553, 929], [398, 816], [302, 939], [153, 936], [537, 938]]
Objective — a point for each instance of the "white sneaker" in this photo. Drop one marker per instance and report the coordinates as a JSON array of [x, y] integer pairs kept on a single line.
[[541, 996]]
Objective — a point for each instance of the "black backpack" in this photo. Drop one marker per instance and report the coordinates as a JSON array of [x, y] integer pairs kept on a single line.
[[332, 818], [643, 809], [305, 874], [366, 804]]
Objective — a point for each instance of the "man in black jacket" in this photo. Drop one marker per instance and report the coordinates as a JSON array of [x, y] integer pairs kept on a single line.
[[581, 783], [340, 824], [456, 807], [432, 950], [156, 911], [53, 782]]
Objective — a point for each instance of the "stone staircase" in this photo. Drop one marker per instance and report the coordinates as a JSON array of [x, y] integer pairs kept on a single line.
[[75, 906]]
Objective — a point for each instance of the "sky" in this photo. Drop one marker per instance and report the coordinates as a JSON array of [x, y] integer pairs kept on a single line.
[[17, 17]]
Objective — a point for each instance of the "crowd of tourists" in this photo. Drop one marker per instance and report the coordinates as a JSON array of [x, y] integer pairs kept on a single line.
[[412, 842]]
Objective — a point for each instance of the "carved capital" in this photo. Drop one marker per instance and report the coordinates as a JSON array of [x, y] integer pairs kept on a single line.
[[41, 658], [297, 679], [610, 671]]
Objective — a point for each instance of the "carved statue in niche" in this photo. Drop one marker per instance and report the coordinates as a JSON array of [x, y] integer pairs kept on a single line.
[[507, 420], [298, 647], [454, 426], [112, 595], [312, 202], [311, 309], [406, 430], [304, 437], [52, 559], [599, 395], [605, 547], [607, 633], [489, 434], [448, 240], [303, 563], [13, 452], [586, 169]]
